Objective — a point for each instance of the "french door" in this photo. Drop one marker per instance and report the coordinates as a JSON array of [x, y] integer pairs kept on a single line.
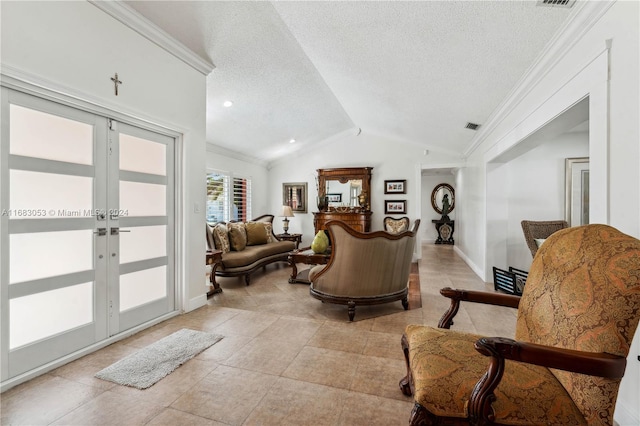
[[86, 242]]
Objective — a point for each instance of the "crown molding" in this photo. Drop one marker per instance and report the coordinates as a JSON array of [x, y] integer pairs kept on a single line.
[[134, 20], [584, 16], [217, 149]]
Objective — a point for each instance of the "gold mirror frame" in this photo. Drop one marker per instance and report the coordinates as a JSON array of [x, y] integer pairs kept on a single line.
[[343, 175], [437, 204]]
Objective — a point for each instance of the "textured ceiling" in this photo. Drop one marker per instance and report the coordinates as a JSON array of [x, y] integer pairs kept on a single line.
[[413, 71]]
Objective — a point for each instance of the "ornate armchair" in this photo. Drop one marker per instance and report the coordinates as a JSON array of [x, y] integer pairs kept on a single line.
[[576, 319], [535, 232], [364, 268], [395, 226]]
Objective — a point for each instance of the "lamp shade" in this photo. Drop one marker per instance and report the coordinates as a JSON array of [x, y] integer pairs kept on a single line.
[[286, 212]]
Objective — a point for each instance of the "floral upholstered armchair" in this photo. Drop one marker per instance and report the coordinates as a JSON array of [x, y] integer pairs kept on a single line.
[[576, 319], [365, 268]]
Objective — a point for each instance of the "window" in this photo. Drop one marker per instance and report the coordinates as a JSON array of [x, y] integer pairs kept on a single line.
[[228, 197]]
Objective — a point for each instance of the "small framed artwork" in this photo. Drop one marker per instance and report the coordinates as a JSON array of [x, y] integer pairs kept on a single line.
[[395, 186], [334, 198], [294, 195], [395, 206]]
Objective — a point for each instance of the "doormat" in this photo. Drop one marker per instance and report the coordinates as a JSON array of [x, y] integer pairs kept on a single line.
[[146, 366]]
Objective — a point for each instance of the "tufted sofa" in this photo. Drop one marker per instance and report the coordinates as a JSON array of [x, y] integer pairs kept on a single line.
[[245, 247]]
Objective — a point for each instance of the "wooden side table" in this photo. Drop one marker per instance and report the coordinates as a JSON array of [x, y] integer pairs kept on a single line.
[[306, 256], [296, 238], [214, 258]]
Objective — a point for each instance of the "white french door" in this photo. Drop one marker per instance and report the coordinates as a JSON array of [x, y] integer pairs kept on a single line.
[[86, 242]]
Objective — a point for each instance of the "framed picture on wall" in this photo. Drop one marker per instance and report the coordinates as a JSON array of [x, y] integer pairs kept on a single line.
[[395, 206], [294, 195], [395, 186]]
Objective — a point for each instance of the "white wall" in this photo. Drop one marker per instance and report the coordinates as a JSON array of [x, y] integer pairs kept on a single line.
[[74, 48], [429, 182], [390, 159], [580, 69], [536, 188]]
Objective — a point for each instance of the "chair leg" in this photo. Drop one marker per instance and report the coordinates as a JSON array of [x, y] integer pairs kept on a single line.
[[405, 303], [405, 382], [421, 417], [352, 309], [247, 279]]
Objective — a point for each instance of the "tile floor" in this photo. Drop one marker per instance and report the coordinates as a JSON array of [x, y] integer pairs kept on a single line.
[[286, 359]]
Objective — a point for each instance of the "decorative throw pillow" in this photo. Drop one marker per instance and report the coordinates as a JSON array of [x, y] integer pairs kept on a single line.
[[269, 228], [256, 233], [237, 236], [221, 238]]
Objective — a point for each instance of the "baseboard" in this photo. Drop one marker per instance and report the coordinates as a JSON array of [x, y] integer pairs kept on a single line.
[[195, 303], [479, 271]]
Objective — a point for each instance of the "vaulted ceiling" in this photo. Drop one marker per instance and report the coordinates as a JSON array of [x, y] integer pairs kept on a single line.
[[415, 72]]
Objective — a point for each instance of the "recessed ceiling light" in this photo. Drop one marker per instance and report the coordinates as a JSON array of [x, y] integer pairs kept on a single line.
[[292, 141], [227, 103]]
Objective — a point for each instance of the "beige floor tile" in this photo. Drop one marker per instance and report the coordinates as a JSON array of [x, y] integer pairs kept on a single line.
[[226, 395], [379, 376], [249, 324], [265, 355], [338, 337], [323, 366], [293, 402], [45, 402], [383, 345], [371, 410], [110, 408], [171, 417]]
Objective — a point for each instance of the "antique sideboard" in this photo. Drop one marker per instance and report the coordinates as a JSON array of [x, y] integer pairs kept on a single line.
[[347, 197]]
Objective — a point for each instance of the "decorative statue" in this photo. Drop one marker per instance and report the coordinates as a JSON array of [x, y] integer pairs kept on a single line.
[[445, 208]]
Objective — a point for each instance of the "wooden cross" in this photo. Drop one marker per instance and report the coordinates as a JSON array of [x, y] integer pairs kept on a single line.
[[116, 82]]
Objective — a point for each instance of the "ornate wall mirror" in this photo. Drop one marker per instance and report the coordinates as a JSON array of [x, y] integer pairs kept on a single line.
[[343, 187], [438, 196]]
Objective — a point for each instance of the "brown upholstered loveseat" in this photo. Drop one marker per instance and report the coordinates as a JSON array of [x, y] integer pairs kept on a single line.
[[245, 247]]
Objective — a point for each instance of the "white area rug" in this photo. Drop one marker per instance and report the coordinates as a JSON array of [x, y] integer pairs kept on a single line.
[[145, 367]]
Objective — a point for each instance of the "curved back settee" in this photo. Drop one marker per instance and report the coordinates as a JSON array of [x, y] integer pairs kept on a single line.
[[365, 268]]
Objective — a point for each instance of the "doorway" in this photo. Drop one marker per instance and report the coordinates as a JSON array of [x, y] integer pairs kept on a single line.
[[87, 237]]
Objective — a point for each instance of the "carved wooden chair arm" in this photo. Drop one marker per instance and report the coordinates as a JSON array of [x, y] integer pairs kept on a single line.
[[457, 296], [500, 348], [590, 363]]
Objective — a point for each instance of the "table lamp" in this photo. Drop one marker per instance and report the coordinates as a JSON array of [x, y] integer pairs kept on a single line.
[[286, 213]]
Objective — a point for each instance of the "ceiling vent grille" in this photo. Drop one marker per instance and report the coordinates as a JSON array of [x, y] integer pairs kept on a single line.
[[556, 3], [472, 126]]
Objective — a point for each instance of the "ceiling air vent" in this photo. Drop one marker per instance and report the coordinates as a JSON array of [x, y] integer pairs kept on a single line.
[[472, 126], [555, 3]]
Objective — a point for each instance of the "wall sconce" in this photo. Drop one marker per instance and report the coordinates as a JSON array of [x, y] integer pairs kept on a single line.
[[286, 213]]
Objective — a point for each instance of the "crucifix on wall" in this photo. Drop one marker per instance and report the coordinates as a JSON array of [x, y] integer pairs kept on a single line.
[[116, 82]]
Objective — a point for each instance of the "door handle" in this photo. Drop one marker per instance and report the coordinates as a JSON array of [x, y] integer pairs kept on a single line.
[[117, 231], [101, 232]]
